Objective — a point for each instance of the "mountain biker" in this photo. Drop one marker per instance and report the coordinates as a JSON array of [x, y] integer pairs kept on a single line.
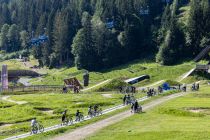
[[77, 115], [63, 118], [90, 111], [132, 107], [136, 106], [33, 124], [95, 108], [128, 99]]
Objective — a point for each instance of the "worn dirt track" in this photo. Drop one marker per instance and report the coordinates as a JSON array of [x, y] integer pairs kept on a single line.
[[82, 133]]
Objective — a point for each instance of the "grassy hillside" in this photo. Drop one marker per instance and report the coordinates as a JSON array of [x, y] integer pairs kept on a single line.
[[185, 118], [134, 69], [47, 108]]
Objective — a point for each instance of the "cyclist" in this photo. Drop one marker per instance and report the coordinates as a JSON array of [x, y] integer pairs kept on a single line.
[[124, 99], [128, 99], [33, 124], [136, 106], [65, 89], [132, 107], [63, 118], [95, 109], [77, 115], [90, 111]]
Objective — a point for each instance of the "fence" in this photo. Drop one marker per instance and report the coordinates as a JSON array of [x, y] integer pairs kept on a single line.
[[34, 88]]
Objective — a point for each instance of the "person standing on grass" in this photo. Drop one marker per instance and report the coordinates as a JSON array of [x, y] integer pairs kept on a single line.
[[124, 100], [179, 87], [184, 88], [132, 108], [136, 106], [198, 86]]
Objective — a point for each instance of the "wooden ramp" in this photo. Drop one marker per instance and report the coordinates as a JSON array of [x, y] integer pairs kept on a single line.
[[202, 54]]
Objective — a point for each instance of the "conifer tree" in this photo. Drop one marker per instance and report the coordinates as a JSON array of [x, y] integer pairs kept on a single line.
[[13, 38]]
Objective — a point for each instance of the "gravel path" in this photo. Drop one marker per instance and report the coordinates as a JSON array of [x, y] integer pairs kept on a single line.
[[152, 85], [82, 133], [186, 75], [6, 98], [86, 89]]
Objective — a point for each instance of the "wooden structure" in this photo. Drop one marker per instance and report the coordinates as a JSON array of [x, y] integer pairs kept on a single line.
[[72, 82], [202, 67], [34, 88], [202, 54]]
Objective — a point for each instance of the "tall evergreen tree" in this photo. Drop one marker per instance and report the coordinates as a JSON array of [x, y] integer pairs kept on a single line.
[[172, 49], [83, 46], [13, 38], [60, 35], [194, 26], [3, 37], [24, 38]]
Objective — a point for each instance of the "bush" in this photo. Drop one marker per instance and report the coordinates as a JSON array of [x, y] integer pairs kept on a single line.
[[14, 55]]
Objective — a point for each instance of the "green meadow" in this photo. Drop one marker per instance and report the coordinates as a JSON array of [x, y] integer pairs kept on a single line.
[[184, 118], [47, 108]]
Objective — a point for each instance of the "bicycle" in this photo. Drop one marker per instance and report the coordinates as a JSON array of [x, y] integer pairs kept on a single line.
[[68, 121], [98, 112], [37, 128], [139, 110], [91, 114], [80, 117]]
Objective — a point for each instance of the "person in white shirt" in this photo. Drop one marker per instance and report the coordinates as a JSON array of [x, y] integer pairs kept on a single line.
[[33, 123]]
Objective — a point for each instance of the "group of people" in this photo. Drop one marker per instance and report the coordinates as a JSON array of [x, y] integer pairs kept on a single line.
[[135, 107], [127, 89], [195, 87], [151, 92], [128, 99], [94, 110], [78, 115]]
